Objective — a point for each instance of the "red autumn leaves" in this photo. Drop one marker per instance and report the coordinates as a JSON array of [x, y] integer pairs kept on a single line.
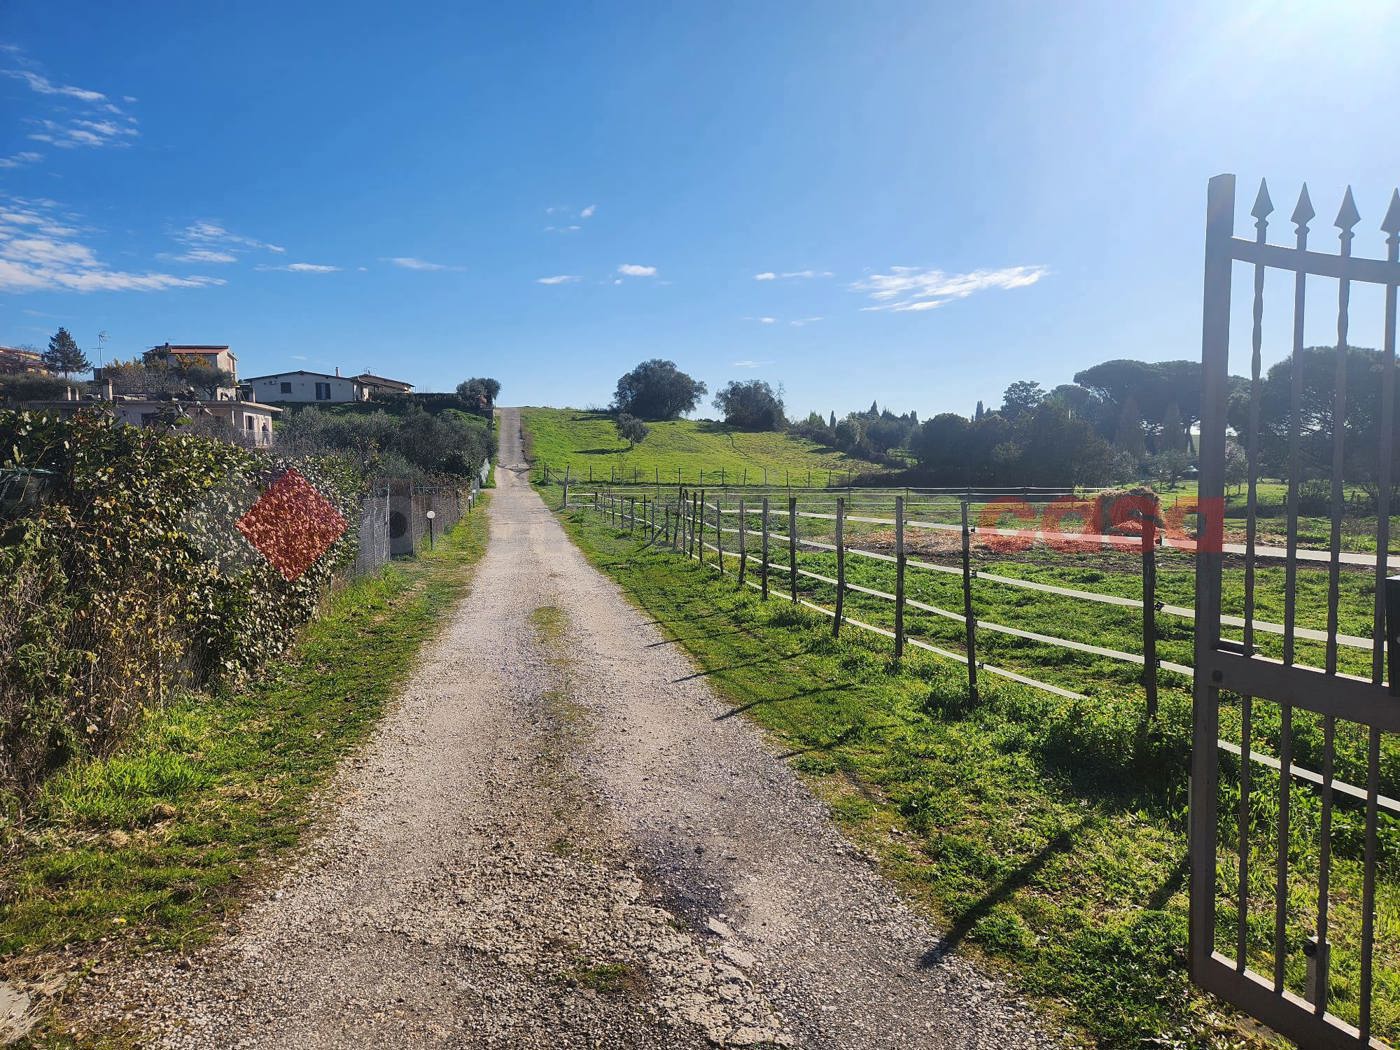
[[292, 525]]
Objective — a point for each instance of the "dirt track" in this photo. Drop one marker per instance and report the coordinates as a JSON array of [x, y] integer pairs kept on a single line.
[[561, 838]]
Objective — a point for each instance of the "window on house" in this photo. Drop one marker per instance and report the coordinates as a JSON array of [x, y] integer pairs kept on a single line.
[[286, 388], [250, 421], [323, 391]]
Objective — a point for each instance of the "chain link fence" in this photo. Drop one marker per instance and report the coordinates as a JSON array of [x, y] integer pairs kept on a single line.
[[401, 519]]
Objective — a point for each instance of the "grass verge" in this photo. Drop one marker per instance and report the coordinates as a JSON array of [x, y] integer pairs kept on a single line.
[[1049, 834], [157, 845]]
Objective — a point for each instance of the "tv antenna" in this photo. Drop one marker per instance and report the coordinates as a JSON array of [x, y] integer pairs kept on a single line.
[[101, 346]]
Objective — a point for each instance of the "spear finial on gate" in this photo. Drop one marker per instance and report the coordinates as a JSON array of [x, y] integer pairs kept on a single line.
[[1391, 223], [1263, 207], [1347, 218], [1303, 212]]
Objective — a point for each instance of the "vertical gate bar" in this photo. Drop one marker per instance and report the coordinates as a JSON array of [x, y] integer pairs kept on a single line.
[[1324, 857], [700, 528], [969, 620], [840, 565], [792, 546], [1285, 779], [899, 577], [763, 565], [743, 541], [1242, 894], [1346, 219], [1391, 225], [1368, 882], [1262, 208], [1215, 360], [1302, 215]]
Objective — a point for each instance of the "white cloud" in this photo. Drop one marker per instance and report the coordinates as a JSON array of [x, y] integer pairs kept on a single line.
[[907, 288], [78, 132], [562, 229], [78, 117], [559, 278], [749, 364], [206, 235], [46, 87], [203, 255], [19, 159], [588, 212], [769, 275], [802, 322], [40, 253], [407, 262], [300, 267], [763, 320], [633, 270]]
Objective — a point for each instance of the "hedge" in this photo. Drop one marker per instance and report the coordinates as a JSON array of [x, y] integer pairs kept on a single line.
[[130, 578]]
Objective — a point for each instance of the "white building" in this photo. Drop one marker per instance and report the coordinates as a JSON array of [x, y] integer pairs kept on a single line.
[[302, 386]]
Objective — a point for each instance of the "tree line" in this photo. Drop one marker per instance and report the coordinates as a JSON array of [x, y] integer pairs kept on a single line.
[[1119, 420]]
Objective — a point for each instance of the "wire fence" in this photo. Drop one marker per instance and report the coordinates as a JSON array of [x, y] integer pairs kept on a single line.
[[919, 568]]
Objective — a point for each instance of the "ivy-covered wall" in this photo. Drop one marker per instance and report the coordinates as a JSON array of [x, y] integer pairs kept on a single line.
[[130, 577]]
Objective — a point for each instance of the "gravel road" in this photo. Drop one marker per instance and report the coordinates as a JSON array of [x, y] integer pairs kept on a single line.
[[560, 838]]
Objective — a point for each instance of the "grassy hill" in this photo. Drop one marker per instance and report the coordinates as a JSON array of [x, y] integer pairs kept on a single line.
[[584, 441]]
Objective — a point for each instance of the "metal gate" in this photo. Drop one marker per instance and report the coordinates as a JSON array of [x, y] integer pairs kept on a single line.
[[1294, 757]]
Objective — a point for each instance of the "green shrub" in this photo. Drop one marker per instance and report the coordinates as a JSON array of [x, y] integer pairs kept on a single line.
[[130, 578]]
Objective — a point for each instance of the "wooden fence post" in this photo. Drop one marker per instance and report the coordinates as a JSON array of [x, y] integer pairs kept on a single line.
[[840, 565], [1149, 614], [721, 477], [565, 504], [899, 577], [719, 535], [743, 542], [763, 565], [792, 547], [697, 526], [968, 618]]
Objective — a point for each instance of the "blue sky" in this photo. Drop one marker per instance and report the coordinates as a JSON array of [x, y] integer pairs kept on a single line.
[[947, 197]]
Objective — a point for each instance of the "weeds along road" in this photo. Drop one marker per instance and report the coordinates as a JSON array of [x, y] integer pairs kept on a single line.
[[561, 838]]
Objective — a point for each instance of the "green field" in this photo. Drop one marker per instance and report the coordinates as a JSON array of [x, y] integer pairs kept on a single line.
[[678, 450]]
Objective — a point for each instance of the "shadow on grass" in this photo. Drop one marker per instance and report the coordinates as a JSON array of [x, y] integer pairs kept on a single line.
[[845, 736], [775, 658], [841, 739], [1002, 892]]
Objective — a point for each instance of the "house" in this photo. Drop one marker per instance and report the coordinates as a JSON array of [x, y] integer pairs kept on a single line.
[[378, 386], [14, 361], [247, 422], [220, 357], [302, 386]]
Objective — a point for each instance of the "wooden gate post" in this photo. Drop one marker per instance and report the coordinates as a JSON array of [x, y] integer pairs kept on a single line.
[[899, 577], [792, 547], [743, 542], [968, 618], [1149, 614], [763, 565], [840, 565]]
